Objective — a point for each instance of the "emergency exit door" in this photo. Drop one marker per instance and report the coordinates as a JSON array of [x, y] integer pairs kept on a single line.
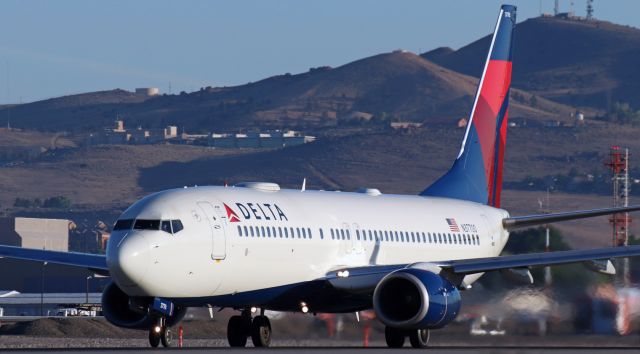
[[216, 228]]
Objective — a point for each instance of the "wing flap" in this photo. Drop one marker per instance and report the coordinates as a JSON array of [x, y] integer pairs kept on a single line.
[[94, 262]]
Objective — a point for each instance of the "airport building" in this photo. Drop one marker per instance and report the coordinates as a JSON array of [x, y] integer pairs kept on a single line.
[[38, 277], [119, 134], [49, 234]]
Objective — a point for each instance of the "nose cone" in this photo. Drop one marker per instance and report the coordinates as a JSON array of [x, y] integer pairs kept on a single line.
[[129, 260]]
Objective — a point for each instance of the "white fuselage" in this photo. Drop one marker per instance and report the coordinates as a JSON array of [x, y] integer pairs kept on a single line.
[[258, 242]]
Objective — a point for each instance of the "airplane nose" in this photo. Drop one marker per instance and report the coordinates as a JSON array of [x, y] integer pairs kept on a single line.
[[130, 260]]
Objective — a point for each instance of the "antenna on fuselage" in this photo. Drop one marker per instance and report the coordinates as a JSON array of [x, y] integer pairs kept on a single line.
[[304, 185]]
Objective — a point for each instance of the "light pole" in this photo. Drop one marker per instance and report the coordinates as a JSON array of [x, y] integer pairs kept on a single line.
[[42, 290], [88, 278]]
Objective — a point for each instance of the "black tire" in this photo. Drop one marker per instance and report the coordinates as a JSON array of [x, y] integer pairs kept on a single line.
[[237, 331], [395, 337], [154, 338], [166, 337], [419, 338], [261, 331]]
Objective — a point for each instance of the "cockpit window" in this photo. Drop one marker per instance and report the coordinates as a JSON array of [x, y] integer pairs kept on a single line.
[[147, 224], [177, 226], [124, 224], [165, 226]]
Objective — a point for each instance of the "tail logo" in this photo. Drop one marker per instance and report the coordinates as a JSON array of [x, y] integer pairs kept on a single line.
[[231, 215]]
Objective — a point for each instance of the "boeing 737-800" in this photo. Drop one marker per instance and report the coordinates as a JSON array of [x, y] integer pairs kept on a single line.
[[254, 245]]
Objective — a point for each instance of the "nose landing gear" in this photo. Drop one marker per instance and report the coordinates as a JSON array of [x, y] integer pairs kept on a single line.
[[160, 333], [243, 326]]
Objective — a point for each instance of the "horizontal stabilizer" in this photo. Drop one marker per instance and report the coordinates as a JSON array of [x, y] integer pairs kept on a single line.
[[541, 219]]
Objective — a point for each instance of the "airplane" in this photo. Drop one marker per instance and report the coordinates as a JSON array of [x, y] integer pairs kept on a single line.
[[255, 246]]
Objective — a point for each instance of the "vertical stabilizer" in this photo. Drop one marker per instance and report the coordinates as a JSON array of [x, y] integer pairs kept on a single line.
[[476, 175]]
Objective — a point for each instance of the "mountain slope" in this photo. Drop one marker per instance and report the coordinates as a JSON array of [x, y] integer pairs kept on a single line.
[[398, 85], [576, 62]]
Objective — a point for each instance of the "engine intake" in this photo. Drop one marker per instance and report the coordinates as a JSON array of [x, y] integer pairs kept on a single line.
[[123, 311], [416, 299]]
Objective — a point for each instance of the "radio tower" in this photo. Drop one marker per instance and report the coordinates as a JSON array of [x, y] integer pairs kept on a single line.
[[589, 9], [618, 163]]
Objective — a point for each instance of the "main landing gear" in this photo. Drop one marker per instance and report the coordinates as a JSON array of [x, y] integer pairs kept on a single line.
[[395, 337], [243, 326], [160, 333]]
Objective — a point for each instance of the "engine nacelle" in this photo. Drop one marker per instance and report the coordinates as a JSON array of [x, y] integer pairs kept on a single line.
[[416, 299], [123, 311]]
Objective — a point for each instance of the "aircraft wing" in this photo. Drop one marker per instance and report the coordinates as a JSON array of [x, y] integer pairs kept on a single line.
[[94, 262], [362, 280]]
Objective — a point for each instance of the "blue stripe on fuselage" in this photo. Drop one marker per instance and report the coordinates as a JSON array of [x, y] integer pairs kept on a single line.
[[317, 294]]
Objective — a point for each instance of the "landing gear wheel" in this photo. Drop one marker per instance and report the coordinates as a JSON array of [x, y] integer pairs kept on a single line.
[[154, 337], [419, 338], [261, 331], [237, 331], [166, 337], [394, 337]]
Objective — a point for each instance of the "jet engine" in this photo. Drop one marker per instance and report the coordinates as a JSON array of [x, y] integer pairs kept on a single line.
[[416, 299], [124, 311]]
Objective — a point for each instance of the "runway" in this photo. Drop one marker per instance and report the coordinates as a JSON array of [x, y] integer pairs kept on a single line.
[[345, 350]]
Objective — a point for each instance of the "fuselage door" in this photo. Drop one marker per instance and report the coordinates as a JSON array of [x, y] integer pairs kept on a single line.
[[491, 229], [357, 239], [219, 242]]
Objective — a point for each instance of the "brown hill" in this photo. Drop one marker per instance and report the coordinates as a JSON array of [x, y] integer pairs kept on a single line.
[[109, 178], [398, 85], [576, 62]]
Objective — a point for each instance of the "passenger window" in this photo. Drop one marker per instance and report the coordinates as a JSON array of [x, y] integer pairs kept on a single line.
[[123, 224], [251, 229], [321, 235], [239, 229], [357, 234], [147, 224], [280, 231], [413, 237], [246, 232], [262, 232], [309, 232], [298, 232]]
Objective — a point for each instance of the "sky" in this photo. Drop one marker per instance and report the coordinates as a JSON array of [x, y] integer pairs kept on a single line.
[[56, 48]]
